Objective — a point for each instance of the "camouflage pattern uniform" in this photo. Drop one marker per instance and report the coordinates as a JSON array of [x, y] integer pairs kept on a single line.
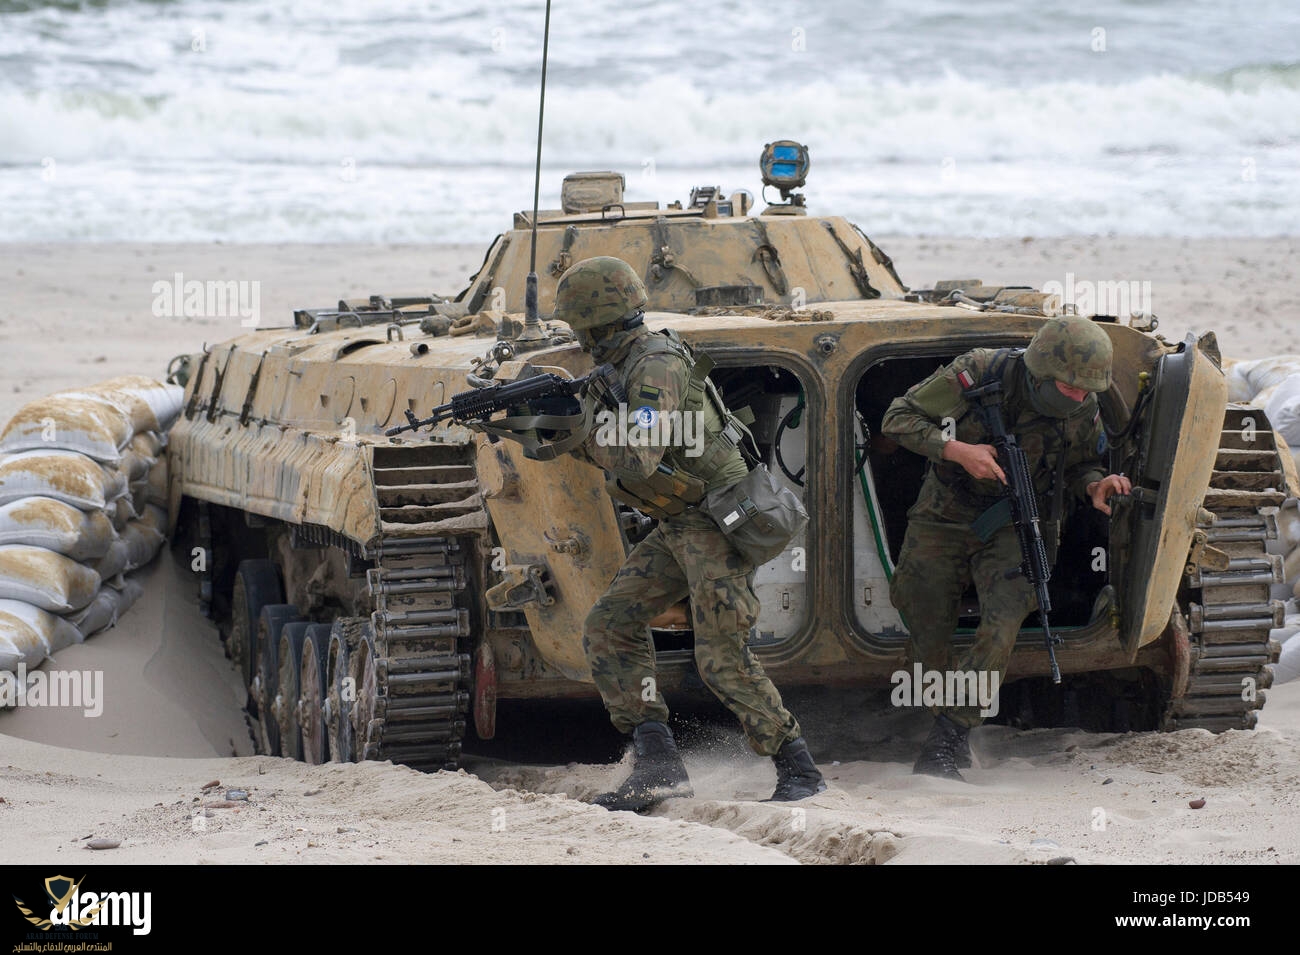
[[686, 555], [941, 554]]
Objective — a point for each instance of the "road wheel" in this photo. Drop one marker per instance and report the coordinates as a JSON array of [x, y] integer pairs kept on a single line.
[[338, 707], [312, 673], [267, 681], [257, 583], [288, 691]]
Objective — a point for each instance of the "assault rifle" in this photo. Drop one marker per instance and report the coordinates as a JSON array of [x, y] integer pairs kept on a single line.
[[1019, 489], [480, 404]]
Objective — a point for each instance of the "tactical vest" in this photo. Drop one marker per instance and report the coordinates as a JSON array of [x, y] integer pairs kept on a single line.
[[681, 481]]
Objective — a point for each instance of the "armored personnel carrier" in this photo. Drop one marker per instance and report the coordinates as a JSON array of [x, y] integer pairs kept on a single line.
[[378, 593]]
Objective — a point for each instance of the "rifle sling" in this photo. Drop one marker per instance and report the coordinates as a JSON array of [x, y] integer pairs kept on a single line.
[[518, 428], [992, 520]]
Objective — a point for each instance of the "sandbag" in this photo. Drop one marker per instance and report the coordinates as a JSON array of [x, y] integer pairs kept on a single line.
[[121, 513], [134, 465], [1288, 664], [114, 560], [28, 634], [106, 609], [142, 542], [45, 579], [157, 483], [130, 591], [86, 424], [1263, 373], [63, 475], [57, 526], [1239, 387], [148, 444], [134, 408], [1291, 568], [1283, 409], [165, 401], [1288, 524], [155, 516], [1261, 398], [138, 497]]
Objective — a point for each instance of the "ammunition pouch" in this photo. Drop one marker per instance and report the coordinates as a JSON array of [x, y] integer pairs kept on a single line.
[[666, 492], [758, 514]]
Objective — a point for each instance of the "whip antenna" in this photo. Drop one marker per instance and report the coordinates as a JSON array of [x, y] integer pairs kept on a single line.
[[532, 331]]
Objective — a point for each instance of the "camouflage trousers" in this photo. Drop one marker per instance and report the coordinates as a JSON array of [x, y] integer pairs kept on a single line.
[[685, 555], [938, 562]]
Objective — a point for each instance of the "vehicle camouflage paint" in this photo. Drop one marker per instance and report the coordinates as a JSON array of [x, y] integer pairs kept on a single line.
[[379, 592]]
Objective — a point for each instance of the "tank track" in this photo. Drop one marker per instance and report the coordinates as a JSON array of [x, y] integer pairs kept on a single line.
[[1230, 613], [412, 664]]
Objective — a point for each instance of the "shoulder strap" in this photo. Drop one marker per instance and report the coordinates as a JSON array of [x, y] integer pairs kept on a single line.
[[1004, 360], [700, 389]]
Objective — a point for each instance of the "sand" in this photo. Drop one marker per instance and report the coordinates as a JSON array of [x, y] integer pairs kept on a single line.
[[171, 721]]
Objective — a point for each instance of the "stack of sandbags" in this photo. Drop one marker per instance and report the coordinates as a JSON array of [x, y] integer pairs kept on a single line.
[[1288, 544], [83, 495], [1272, 384], [1253, 381]]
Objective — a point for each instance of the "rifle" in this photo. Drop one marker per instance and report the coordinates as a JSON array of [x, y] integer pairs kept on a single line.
[[480, 404], [1019, 489]]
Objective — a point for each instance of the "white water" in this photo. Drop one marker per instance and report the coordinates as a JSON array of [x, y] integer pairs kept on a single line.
[[402, 121]]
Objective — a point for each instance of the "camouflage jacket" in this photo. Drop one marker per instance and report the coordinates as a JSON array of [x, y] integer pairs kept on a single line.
[[655, 430], [949, 494]]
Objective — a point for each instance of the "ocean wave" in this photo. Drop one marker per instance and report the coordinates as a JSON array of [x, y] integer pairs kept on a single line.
[[893, 121]]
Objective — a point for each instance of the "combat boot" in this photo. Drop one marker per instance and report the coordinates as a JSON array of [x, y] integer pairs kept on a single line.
[[797, 776], [939, 752], [657, 772], [962, 755]]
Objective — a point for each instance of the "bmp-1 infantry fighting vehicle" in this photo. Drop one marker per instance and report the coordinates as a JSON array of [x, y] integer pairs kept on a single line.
[[380, 592]]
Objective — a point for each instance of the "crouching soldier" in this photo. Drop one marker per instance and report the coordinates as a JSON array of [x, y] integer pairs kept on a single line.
[[686, 554]]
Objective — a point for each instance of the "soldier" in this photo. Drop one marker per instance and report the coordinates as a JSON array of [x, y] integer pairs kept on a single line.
[[684, 555], [958, 531]]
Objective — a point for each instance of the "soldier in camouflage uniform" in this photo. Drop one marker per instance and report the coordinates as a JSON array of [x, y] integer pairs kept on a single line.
[[1049, 404], [684, 555]]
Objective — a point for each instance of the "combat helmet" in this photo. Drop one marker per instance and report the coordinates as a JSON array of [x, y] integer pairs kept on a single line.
[[1073, 351], [598, 291]]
